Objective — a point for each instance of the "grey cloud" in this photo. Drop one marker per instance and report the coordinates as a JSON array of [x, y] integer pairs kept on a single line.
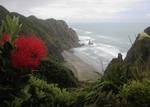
[[80, 10], [24, 4]]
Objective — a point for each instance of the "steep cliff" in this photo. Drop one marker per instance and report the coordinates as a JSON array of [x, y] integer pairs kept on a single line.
[[137, 59], [139, 53], [56, 33]]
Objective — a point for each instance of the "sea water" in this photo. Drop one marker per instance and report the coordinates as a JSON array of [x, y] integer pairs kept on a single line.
[[106, 41]]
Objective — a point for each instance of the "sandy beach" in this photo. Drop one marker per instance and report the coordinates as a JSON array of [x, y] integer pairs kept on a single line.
[[82, 70]]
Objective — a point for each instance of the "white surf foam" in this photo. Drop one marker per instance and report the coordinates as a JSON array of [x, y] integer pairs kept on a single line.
[[88, 32], [100, 53]]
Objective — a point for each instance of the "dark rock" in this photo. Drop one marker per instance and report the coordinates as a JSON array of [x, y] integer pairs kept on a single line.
[[147, 30], [140, 50], [120, 56], [139, 53], [137, 60]]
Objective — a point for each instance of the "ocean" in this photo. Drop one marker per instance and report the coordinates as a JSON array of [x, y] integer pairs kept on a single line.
[[103, 41]]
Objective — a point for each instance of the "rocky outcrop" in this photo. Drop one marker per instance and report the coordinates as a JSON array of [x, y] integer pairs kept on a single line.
[[56, 33], [137, 60], [139, 53], [147, 30]]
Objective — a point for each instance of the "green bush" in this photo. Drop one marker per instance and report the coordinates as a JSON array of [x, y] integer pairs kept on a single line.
[[54, 72], [137, 93], [103, 94], [120, 72], [34, 92], [105, 99], [11, 26], [47, 95], [79, 100], [116, 72]]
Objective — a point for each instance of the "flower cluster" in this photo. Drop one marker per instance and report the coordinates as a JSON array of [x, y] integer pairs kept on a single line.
[[28, 51], [5, 38]]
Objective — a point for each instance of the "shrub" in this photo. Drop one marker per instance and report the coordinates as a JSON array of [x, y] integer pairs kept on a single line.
[[116, 72], [103, 94], [137, 93], [36, 93], [47, 95], [120, 72], [54, 72]]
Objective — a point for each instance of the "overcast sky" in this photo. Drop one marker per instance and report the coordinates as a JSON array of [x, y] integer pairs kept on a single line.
[[83, 10]]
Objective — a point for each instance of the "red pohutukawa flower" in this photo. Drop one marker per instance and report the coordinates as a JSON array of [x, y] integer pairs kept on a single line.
[[28, 52], [5, 38]]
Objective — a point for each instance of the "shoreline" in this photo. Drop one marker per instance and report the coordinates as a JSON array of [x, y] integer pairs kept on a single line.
[[82, 71]]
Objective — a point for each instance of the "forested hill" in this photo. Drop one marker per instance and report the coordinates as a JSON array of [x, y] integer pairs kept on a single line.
[[56, 33]]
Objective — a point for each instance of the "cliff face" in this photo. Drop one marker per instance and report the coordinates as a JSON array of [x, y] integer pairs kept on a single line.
[[139, 53], [56, 33], [137, 60]]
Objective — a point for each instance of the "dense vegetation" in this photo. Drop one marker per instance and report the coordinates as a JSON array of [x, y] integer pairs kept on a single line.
[[54, 72], [125, 83], [26, 78]]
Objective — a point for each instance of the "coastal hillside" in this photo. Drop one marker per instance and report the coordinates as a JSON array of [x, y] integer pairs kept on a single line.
[[30, 75], [125, 82], [58, 37], [101, 59], [30, 71], [56, 33]]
